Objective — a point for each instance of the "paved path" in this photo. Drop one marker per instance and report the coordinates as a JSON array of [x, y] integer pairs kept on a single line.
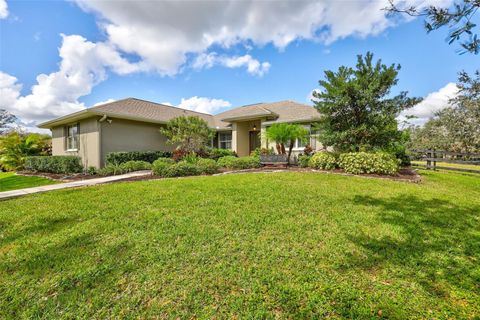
[[73, 184]]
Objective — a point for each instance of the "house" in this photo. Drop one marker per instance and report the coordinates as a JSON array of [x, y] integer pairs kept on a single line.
[[133, 125]]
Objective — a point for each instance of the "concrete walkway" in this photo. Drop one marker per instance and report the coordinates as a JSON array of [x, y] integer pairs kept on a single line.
[[81, 183]]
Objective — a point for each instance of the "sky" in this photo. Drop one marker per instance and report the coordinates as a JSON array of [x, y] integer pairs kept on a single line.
[[58, 57]]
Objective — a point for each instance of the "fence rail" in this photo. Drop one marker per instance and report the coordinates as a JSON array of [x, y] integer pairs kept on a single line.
[[459, 158]]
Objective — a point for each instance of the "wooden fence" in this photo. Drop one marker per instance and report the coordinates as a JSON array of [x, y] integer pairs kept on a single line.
[[460, 158]]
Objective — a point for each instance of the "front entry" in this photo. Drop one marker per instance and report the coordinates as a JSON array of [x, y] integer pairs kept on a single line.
[[254, 140]]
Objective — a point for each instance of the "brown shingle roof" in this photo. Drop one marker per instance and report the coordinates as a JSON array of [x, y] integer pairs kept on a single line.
[[137, 109], [133, 107]]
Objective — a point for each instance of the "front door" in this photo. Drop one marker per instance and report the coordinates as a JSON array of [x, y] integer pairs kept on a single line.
[[254, 140]]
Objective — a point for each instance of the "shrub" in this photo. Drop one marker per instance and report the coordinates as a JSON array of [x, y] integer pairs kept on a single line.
[[160, 165], [92, 170], [111, 169], [131, 166], [207, 166], [231, 162], [54, 164], [323, 161], [303, 160], [148, 156], [262, 151], [181, 169], [216, 153], [363, 162], [191, 158]]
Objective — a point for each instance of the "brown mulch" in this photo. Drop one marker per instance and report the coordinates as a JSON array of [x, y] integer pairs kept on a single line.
[[405, 174], [59, 176]]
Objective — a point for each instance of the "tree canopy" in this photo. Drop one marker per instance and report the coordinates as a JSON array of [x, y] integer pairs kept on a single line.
[[456, 128], [191, 133], [15, 146], [459, 19], [357, 110]]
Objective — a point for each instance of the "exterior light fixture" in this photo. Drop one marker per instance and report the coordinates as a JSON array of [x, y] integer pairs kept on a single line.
[[254, 127]]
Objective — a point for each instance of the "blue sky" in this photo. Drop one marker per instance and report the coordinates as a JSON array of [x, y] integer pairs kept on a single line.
[[109, 50]]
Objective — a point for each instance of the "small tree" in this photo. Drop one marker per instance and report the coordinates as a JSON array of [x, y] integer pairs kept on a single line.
[[357, 110], [191, 134], [285, 134]]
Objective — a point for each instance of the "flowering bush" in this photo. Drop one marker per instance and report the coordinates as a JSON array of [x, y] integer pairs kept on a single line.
[[364, 162], [303, 160], [323, 161]]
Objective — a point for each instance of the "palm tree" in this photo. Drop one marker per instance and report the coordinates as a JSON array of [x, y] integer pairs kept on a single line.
[[285, 134]]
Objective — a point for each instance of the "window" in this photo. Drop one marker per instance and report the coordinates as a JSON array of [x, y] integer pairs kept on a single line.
[[225, 140], [72, 137]]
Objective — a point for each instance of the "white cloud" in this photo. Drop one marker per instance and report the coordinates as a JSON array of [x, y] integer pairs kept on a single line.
[[253, 66], [83, 65], [432, 103], [203, 104], [165, 33], [99, 103], [3, 9]]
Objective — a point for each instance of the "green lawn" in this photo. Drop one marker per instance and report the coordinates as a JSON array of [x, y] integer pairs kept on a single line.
[[278, 245], [11, 181]]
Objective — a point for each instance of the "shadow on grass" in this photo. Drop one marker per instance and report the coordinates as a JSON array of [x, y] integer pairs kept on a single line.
[[438, 242]]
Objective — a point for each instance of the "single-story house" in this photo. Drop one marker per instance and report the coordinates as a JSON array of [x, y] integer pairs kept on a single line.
[[133, 125]]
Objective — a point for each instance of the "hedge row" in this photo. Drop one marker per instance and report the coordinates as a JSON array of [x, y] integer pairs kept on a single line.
[[353, 162], [168, 168], [129, 166], [148, 156], [54, 164], [231, 162]]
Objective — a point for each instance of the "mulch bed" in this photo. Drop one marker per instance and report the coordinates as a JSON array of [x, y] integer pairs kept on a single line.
[[405, 174]]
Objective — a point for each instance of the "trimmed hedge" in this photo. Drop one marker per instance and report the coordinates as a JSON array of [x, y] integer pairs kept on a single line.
[[231, 162], [168, 168], [148, 156], [323, 161], [160, 165], [207, 166], [364, 162], [113, 169], [54, 164], [181, 169]]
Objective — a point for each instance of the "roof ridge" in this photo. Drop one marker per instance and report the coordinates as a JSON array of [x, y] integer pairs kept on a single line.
[[152, 102]]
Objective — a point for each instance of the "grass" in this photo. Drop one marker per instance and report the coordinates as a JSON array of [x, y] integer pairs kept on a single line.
[[11, 181], [279, 245], [451, 165]]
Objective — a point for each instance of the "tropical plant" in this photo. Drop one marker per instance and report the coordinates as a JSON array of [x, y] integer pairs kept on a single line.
[[285, 134], [190, 134], [15, 147], [358, 112]]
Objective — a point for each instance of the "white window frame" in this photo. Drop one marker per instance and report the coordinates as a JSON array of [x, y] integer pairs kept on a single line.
[[72, 141], [221, 139]]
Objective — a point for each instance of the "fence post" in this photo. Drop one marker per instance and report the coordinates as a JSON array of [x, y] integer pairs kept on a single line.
[[429, 163], [434, 155]]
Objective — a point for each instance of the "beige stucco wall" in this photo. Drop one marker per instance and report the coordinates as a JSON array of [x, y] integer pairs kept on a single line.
[[89, 142], [241, 136], [126, 135]]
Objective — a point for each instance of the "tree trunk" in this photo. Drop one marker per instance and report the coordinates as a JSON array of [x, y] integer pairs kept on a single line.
[[290, 147], [279, 148]]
